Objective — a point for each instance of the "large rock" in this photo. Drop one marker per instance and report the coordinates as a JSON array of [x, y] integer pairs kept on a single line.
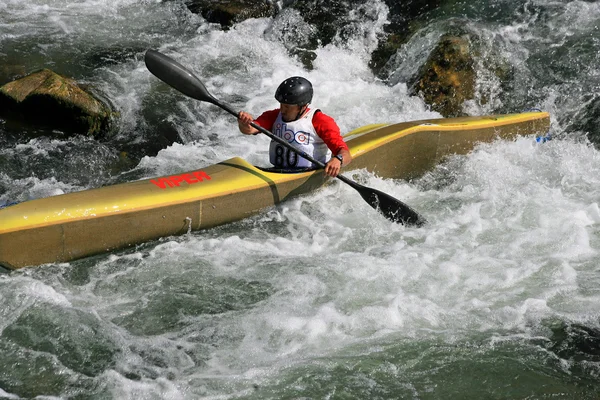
[[47, 99], [447, 79], [228, 12]]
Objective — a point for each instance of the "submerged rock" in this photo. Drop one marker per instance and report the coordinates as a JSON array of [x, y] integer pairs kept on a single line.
[[48, 99], [575, 342], [228, 12], [447, 79]]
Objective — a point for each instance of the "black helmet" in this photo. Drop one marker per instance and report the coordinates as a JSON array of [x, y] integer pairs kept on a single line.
[[295, 90]]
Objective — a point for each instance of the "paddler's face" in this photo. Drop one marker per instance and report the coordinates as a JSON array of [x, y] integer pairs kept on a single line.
[[289, 112]]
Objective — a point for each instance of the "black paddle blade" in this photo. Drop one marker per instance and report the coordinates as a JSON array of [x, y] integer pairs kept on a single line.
[[391, 208], [171, 72]]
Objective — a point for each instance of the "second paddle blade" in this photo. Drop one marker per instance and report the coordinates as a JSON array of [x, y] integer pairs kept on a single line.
[[391, 208]]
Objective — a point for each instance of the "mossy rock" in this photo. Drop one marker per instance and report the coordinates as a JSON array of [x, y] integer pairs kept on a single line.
[[448, 77], [48, 99]]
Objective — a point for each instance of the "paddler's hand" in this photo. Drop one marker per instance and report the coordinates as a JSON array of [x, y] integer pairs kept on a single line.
[[244, 120], [333, 167]]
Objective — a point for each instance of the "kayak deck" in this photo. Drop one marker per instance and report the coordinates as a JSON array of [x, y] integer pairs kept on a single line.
[[75, 225]]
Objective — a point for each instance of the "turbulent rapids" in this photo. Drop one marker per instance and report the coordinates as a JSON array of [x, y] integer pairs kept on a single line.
[[305, 293]]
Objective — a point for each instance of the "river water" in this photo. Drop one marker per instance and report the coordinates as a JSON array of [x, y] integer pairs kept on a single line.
[[497, 297]]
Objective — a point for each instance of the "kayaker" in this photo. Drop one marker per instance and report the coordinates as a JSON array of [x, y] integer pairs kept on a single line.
[[307, 129]]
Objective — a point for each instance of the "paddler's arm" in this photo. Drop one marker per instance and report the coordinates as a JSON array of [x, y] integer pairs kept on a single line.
[[244, 120], [329, 131]]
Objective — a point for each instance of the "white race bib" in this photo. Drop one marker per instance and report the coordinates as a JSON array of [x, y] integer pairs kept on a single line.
[[301, 135]]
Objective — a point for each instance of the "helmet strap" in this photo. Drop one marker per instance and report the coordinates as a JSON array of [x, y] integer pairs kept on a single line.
[[302, 111]]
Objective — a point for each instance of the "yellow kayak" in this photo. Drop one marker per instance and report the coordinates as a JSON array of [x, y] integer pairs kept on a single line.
[[76, 225]]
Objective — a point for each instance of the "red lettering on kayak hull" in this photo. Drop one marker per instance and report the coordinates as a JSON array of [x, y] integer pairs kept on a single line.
[[176, 180]]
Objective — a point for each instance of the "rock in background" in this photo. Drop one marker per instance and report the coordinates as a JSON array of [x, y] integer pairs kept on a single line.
[[228, 12], [447, 79], [48, 99]]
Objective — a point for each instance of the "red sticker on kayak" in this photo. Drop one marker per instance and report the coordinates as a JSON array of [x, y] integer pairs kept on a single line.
[[176, 180]]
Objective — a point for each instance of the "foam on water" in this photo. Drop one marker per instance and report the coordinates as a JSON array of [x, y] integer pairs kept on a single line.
[[45, 167], [8, 395], [468, 271], [65, 18]]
